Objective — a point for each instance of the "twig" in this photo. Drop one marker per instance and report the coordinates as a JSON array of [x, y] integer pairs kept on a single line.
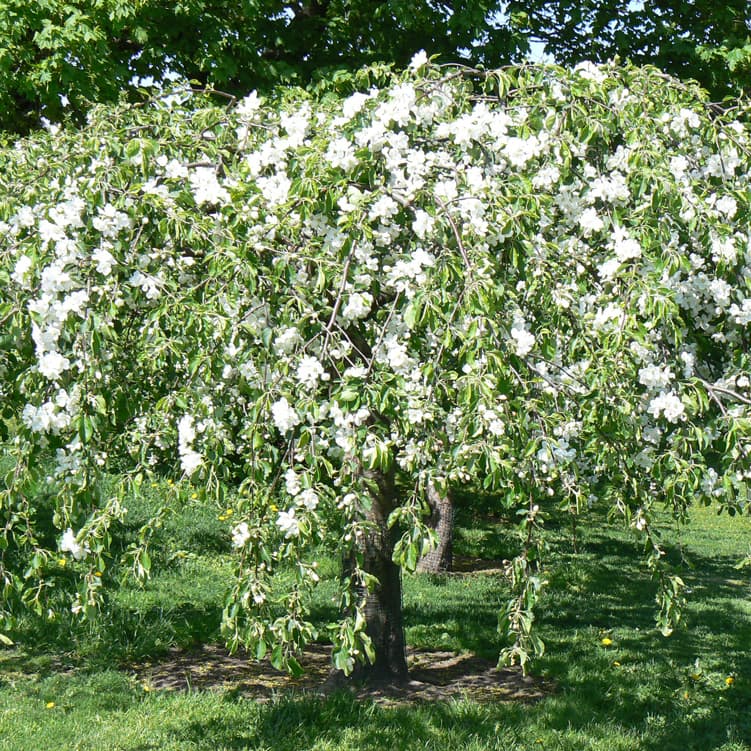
[[711, 388], [457, 234]]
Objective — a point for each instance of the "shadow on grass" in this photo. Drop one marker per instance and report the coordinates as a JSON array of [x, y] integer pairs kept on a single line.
[[639, 691], [562, 721], [342, 722]]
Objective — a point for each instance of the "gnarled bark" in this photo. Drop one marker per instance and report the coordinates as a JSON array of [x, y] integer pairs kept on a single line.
[[441, 521], [383, 605]]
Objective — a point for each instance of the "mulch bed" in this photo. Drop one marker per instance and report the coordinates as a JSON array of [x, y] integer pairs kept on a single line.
[[435, 676]]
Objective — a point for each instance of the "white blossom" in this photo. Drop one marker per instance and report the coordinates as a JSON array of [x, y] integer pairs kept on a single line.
[[385, 208], [341, 153], [727, 205], [590, 71], [292, 482], [309, 371], [590, 221], [287, 340], [418, 60], [69, 544], [308, 498], [275, 188], [240, 535], [520, 150], [353, 104], [149, 285], [284, 416], [52, 365], [104, 260], [423, 224], [655, 377], [248, 106], [190, 459], [110, 221], [21, 270], [607, 270], [288, 523], [624, 246], [667, 404], [358, 306], [206, 187], [523, 341]]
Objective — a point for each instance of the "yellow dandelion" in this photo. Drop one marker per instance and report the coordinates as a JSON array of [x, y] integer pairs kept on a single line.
[[695, 676], [98, 573], [146, 687], [729, 681], [50, 705], [616, 664], [62, 562], [194, 496], [606, 642]]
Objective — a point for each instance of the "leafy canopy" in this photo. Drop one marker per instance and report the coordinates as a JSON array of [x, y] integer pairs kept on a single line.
[[531, 280], [90, 50], [702, 40]]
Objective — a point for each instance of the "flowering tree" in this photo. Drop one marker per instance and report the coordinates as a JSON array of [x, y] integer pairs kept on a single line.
[[531, 280]]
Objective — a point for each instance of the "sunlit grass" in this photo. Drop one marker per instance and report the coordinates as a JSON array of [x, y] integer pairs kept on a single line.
[[618, 683]]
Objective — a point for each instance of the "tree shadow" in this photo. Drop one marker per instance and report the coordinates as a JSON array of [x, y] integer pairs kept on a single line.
[[341, 720]]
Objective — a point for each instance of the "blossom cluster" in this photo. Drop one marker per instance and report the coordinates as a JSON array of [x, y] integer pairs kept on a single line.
[[514, 280]]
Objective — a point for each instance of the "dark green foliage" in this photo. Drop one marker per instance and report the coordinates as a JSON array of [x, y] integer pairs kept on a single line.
[[700, 39], [90, 50]]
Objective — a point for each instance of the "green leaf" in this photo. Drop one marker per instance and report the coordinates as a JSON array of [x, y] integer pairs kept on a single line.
[[85, 428], [100, 404], [295, 668], [412, 314], [277, 657]]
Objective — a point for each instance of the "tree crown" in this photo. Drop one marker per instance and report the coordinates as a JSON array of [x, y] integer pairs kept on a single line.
[[531, 280]]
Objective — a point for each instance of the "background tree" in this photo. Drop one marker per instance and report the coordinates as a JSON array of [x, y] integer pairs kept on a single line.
[[89, 50], [706, 41], [57, 55]]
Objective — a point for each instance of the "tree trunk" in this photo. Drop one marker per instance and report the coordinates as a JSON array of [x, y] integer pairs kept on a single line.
[[383, 605], [441, 521]]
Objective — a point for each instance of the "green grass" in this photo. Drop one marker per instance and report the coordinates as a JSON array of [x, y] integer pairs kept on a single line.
[[643, 691]]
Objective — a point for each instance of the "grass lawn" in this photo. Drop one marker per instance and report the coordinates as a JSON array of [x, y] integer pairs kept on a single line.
[[635, 690]]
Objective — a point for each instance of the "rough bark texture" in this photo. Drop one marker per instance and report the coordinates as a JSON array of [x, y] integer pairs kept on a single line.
[[442, 523], [383, 608]]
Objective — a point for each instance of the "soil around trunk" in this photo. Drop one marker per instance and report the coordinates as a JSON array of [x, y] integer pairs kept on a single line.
[[434, 676]]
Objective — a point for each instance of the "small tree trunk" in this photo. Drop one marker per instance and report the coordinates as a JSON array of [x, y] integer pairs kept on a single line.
[[383, 606], [441, 521]]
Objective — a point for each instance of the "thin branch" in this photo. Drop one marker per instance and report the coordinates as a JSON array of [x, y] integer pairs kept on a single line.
[[337, 302], [711, 388], [381, 335], [457, 234]]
